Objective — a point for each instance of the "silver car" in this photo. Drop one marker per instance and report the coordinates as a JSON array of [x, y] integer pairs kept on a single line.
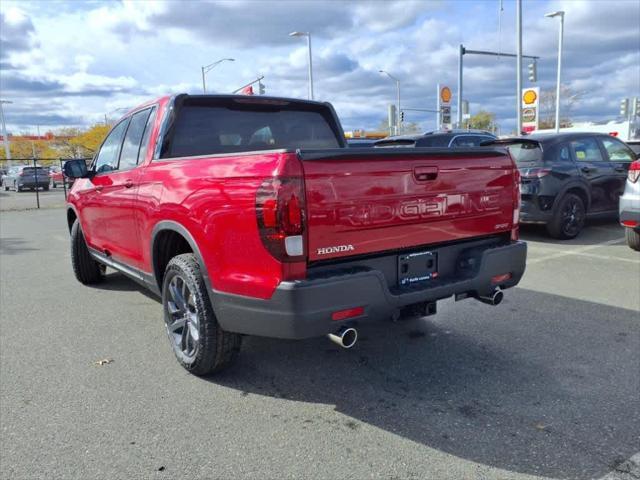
[[630, 206]]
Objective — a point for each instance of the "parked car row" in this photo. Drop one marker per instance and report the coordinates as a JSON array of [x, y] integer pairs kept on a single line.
[[23, 177]]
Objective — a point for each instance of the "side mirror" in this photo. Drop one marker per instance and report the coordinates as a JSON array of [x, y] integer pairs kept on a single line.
[[76, 169]]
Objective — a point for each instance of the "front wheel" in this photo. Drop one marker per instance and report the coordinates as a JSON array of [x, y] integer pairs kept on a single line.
[[568, 218], [199, 343], [633, 238], [85, 268]]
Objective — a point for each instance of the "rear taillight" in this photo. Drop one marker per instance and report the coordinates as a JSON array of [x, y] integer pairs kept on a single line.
[[634, 171], [529, 173], [281, 217]]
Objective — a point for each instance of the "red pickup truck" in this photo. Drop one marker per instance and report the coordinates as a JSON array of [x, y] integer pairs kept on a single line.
[[251, 216]]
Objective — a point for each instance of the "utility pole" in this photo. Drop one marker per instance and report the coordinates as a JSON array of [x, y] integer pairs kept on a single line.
[[398, 122], [560, 14], [466, 51], [310, 59], [207, 68], [519, 66], [438, 107], [7, 150], [461, 53]]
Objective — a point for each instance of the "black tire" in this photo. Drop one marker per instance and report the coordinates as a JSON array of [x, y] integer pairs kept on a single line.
[[568, 218], [46, 188], [6, 189], [633, 238], [214, 349], [54, 184], [85, 268]]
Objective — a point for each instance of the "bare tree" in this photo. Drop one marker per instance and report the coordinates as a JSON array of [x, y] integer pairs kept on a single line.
[[548, 107]]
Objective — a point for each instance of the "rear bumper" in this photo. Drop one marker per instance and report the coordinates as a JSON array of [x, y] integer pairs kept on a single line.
[[33, 183], [530, 212], [303, 309], [630, 206]]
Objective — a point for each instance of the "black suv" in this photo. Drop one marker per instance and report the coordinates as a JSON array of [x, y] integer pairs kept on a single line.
[[566, 177], [439, 138]]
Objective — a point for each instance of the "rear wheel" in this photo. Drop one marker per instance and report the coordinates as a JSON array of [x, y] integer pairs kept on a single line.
[[85, 268], [46, 188], [199, 343], [568, 219], [633, 238]]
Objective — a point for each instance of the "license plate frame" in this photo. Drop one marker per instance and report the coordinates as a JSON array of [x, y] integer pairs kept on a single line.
[[417, 267]]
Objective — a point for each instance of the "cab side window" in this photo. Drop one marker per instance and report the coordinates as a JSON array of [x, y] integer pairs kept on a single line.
[[617, 151], [587, 150], [131, 144], [107, 159]]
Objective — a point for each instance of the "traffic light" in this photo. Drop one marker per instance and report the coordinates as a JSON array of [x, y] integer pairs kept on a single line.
[[401, 115], [533, 71], [624, 107], [260, 88]]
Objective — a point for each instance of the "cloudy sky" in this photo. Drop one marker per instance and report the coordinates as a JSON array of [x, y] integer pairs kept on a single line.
[[68, 63]]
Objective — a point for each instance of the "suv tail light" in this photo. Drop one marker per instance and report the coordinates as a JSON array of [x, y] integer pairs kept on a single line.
[[634, 171], [280, 207], [529, 173]]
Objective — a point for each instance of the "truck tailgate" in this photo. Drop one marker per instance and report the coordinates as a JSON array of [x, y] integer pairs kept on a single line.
[[373, 200]]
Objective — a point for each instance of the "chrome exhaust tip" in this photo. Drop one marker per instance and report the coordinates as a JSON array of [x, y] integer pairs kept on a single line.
[[494, 299], [346, 337]]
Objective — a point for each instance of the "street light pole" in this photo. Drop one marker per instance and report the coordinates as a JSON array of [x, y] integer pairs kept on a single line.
[[207, 68], [5, 137], [398, 123], [519, 66], [310, 59], [560, 14]]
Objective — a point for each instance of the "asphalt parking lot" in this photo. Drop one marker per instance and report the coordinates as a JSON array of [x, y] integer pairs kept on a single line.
[[545, 385], [26, 200]]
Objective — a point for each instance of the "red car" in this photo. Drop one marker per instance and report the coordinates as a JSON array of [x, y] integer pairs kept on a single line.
[[56, 176], [250, 216]]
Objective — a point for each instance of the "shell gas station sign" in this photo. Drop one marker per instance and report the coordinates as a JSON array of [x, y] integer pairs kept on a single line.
[[444, 106], [529, 110]]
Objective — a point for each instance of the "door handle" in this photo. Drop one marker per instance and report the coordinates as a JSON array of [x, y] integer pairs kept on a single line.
[[425, 174], [620, 169], [128, 183], [98, 188], [588, 169]]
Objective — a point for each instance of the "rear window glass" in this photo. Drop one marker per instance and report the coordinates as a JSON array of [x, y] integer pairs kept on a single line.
[[31, 170], [207, 130], [436, 141], [526, 153]]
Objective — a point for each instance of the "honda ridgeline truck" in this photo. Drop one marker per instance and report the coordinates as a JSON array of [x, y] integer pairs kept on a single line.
[[251, 216]]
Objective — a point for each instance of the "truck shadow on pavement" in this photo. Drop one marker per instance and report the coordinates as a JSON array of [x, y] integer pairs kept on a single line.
[[543, 384]]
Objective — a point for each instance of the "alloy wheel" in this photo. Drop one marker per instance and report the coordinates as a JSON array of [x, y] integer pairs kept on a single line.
[[183, 325]]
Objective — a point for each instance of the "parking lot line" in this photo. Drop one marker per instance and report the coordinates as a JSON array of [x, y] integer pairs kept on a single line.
[[578, 251]]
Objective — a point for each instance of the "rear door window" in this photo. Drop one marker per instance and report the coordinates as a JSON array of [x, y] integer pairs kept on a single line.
[[587, 150], [617, 151]]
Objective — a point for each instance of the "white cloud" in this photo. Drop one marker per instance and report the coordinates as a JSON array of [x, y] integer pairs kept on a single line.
[[80, 60]]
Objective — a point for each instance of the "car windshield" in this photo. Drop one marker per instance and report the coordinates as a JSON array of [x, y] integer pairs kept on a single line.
[[526, 153]]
